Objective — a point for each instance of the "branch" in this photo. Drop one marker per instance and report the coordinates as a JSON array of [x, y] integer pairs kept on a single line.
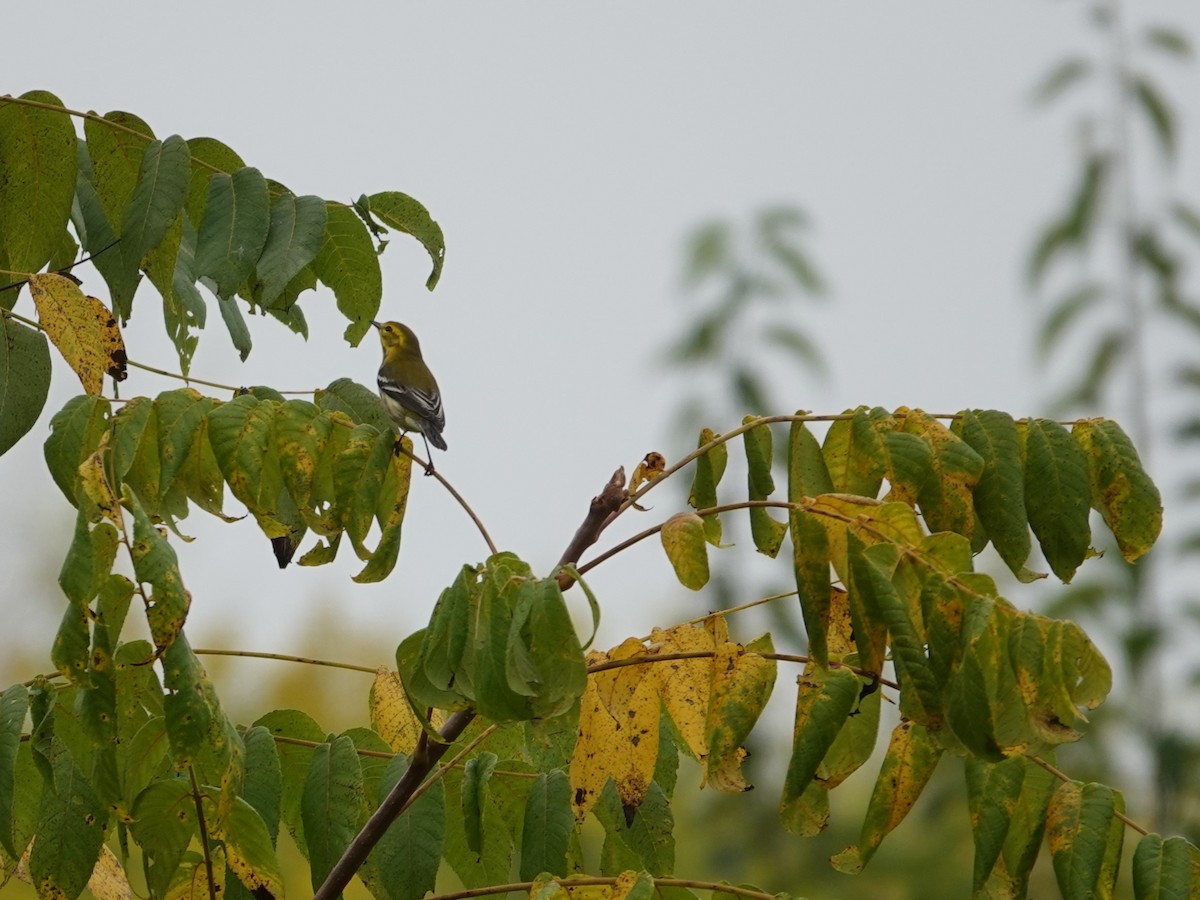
[[423, 760], [604, 508]]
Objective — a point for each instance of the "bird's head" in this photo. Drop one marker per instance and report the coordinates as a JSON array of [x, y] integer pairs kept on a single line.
[[396, 337]]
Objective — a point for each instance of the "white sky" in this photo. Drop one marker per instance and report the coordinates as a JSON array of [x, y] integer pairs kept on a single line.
[[566, 149]]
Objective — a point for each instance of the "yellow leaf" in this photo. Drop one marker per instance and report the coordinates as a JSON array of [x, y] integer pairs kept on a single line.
[[96, 485], [741, 683], [392, 715], [108, 881], [618, 731], [651, 466], [685, 684], [81, 327]]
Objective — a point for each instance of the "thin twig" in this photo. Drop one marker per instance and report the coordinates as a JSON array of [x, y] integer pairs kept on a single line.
[[446, 767], [284, 657], [524, 887], [208, 865], [604, 507]]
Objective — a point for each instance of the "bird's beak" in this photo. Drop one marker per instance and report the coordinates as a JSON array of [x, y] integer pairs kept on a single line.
[[376, 324]]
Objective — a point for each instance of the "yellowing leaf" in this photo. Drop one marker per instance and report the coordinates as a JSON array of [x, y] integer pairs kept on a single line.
[[81, 327], [392, 715], [683, 540], [108, 881], [685, 684], [647, 470], [742, 683], [618, 732]]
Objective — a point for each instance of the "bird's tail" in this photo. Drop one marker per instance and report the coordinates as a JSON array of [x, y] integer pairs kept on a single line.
[[436, 439]]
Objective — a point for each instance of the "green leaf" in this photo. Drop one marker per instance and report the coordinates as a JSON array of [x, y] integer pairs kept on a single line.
[[403, 213], [549, 822], [155, 563], [294, 762], [360, 403], [1158, 114], [249, 850], [710, 467], [157, 199], [1063, 315], [445, 639], [767, 532], [1121, 490], [476, 774], [683, 540], [359, 473], [348, 265], [1007, 802], [189, 704], [1067, 73], [332, 805], [1163, 869], [1085, 838], [209, 156], [295, 236], [824, 700], [1169, 40], [164, 823], [231, 235], [644, 844], [853, 452], [24, 380], [38, 159], [912, 755], [404, 864], [1057, 495], [235, 324], [1000, 492], [240, 434], [75, 432], [263, 785], [14, 703]]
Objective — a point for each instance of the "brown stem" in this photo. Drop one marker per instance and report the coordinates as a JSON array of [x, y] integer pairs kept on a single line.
[[602, 511], [423, 760]]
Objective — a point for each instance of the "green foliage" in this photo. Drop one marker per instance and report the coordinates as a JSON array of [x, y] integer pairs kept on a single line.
[[128, 743]]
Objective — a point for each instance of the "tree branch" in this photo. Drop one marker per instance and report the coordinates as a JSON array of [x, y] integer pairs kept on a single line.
[[602, 511], [423, 760]]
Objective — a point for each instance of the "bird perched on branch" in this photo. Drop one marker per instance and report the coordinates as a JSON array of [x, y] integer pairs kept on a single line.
[[408, 389]]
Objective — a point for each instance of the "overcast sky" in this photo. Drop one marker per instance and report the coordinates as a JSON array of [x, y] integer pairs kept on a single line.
[[566, 149]]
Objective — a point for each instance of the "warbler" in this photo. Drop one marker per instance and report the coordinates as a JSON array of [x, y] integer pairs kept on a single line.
[[408, 389]]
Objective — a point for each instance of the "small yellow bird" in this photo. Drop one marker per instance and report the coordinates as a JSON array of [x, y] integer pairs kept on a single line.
[[408, 389]]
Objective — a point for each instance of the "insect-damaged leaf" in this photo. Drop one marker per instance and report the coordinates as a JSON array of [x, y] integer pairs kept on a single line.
[[82, 328]]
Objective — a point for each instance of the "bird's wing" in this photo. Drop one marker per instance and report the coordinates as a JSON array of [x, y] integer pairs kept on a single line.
[[424, 404]]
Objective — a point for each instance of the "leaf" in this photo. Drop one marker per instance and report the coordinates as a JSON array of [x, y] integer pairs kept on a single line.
[[710, 467], [14, 703], [742, 680], [348, 266], [360, 403], [155, 563], [249, 853], [823, 702], [1000, 493], [1121, 490], [685, 685], [164, 822], [683, 541], [240, 434], [38, 159], [1169, 40], [1163, 869], [75, 432], [82, 328], [854, 455], [946, 497], [1085, 838], [332, 805], [911, 758], [295, 236], [1057, 495], [209, 156], [767, 532], [1158, 114], [403, 213], [231, 236], [476, 774], [1064, 314], [157, 198], [404, 864], [618, 732], [1067, 73], [24, 380], [1007, 802]]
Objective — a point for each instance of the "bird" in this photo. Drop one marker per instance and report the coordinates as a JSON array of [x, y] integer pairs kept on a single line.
[[408, 389]]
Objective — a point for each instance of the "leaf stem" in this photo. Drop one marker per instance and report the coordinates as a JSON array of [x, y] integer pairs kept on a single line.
[[1066, 779], [284, 657], [526, 886], [208, 865]]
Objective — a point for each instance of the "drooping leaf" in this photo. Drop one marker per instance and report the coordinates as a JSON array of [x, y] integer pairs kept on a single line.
[[767, 531], [24, 380], [38, 159], [1085, 838], [231, 235], [82, 328], [157, 199], [1165, 868], [1057, 495], [75, 432], [710, 467], [1121, 490], [683, 540], [295, 236], [332, 804], [348, 266], [1158, 114], [742, 680], [403, 213]]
